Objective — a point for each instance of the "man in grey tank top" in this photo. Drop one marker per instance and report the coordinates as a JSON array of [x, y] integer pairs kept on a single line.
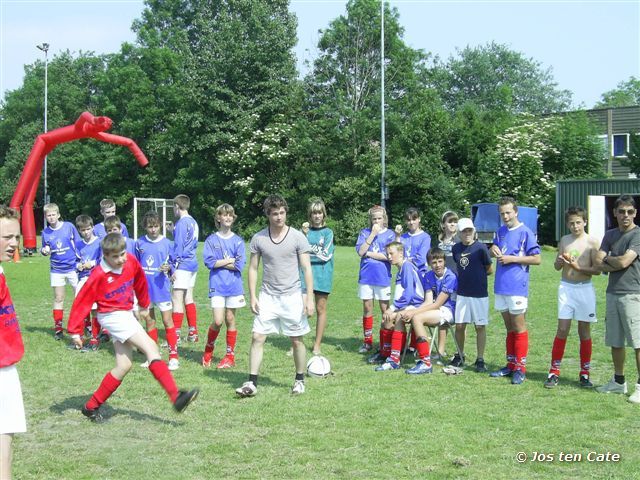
[[280, 306], [618, 255]]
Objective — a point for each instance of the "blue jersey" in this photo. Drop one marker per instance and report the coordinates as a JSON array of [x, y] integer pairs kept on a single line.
[[513, 279], [472, 261], [88, 252], [130, 245], [416, 247], [152, 254], [409, 289], [321, 256], [100, 232], [375, 272], [222, 281], [185, 244], [62, 242], [448, 284]]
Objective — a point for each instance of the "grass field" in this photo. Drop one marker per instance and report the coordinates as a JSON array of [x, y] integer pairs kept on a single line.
[[355, 424]]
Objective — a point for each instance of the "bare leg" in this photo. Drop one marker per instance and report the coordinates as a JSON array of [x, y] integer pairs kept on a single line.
[[481, 339], [299, 353], [461, 333], [255, 352], [5, 455], [321, 323]]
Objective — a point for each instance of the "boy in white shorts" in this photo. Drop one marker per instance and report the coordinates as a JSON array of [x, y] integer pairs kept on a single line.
[[280, 307], [111, 285], [225, 257], [59, 244], [576, 295], [472, 303], [12, 418]]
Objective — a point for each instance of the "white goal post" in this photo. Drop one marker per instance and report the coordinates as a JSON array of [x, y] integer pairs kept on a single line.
[[164, 207]]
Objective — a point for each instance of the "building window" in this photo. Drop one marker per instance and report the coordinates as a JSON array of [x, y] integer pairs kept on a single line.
[[620, 144]]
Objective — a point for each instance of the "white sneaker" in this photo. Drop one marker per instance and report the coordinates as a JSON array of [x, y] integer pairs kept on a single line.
[[614, 387], [298, 387], [635, 396], [174, 364], [145, 364], [248, 389]]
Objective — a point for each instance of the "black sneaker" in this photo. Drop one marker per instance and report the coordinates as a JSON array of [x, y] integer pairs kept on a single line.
[[552, 381], [58, 335], [457, 361], [480, 366], [92, 414], [104, 337], [585, 382], [376, 359], [184, 399]]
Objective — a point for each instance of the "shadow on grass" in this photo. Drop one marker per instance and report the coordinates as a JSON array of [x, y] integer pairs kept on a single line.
[[76, 403]]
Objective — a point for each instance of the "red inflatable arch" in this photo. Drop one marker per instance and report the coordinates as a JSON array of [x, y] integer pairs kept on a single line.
[[87, 126]]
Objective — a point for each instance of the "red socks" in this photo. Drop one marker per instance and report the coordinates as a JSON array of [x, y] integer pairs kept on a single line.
[[557, 352], [108, 385], [192, 317], [511, 350], [172, 341], [212, 335], [57, 319], [521, 347], [161, 373], [153, 333], [367, 328], [385, 342], [177, 320], [95, 329], [396, 345], [231, 341], [423, 347], [585, 356]]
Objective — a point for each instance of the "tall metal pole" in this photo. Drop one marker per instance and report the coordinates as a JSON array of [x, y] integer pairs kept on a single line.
[[45, 48], [383, 186]]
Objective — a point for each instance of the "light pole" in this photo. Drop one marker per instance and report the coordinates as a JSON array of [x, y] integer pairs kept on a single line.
[[45, 48]]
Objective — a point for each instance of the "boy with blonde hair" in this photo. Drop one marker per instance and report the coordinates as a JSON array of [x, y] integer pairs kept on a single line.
[[108, 209]]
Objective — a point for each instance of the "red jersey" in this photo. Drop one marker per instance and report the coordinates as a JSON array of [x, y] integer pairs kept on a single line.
[[112, 290], [11, 346]]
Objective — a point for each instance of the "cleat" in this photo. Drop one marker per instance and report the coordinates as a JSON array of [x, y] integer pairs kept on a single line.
[[518, 377], [58, 335], [298, 387], [104, 337], [551, 381], [376, 359], [91, 347], [174, 364], [585, 382], [613, 387], [365, 348], [206, 360], [145, 364], [73, 346], [228, 361], [193, 338], [635, 396], [457, 361], [92, 414], [503, 372], [248, 389], [421, 368], [388, 365], [480, 366], [184, 399]]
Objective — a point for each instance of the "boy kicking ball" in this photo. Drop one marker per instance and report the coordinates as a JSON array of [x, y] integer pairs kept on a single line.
[[111, 285]]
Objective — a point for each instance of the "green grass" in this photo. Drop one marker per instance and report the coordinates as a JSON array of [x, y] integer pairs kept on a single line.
[[355, 424]]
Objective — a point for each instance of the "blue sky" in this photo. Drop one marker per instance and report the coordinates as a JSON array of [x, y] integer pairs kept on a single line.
[[590, 45]]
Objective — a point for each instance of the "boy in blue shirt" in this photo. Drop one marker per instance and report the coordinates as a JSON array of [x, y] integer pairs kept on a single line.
[[515, 247], [108, 209], [113, 224], [59, 243], [472, 303], [152, 251], [224, 255], [90, 253], [440, 286], [409, 294]]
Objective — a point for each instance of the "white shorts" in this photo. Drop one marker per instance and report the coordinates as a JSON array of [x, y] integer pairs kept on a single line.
[[281, 314], [446, 316], [513, 303], [236, 301], [12, 419], [577, 301], [162, 306], [61, 279], [472, 310], [81, 283], [121, 325], [184, 279], [370, 292]]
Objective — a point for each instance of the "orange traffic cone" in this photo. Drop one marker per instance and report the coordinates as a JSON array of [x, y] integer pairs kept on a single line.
[[16, 255]]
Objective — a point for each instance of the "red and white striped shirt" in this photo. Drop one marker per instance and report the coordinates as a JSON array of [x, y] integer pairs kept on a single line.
[[112, 290], [11, 346]]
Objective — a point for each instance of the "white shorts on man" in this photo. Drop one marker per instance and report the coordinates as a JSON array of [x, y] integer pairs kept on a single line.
[[281, 314], [12, 418], [473, 310], [577, 301]]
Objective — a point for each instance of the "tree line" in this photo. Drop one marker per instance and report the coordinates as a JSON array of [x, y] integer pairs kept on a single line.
[[210, 92]]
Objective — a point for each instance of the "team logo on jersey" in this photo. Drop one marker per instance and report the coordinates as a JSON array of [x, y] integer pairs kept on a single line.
[[58, 244], [464, 260], [109, 279], [149, 261]]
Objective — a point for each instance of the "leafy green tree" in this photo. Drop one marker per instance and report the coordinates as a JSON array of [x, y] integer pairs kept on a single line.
[[633, 156], [626, 94]]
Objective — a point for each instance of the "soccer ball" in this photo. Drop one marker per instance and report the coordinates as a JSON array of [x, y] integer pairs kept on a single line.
[[318, 366]]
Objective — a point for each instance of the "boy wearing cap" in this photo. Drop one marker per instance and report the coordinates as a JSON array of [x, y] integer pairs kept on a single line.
[[474, 266]]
